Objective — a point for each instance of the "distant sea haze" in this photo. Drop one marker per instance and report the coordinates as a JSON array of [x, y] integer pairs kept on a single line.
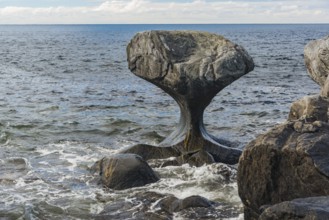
[[68, 98]]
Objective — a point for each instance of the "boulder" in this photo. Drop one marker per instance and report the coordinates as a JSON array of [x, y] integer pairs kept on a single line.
[[148, 152], [325, 89], [316, 55], [288, 162], [192, 67], [172, 204], [315, 208], [137, 206], [155, 206], [123, 171], [173, 157], [309, 108], [196, 159]]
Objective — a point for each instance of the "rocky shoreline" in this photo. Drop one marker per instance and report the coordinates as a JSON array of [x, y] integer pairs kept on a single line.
[[283, 174]]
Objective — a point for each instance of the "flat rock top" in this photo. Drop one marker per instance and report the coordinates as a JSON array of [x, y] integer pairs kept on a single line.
[[170, 58], [317, 59]]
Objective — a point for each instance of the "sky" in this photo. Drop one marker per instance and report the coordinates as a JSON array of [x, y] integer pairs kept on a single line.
[[160, 11]]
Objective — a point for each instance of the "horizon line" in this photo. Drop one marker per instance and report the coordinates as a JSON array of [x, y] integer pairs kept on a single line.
[[302, 23]]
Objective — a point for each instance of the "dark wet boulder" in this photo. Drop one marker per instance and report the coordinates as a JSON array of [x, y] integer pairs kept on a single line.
[[172, 204], [192, 67], [315, 208], [136, 207], [309, 108], [290, 161], [197, 159], [317, 62], [155, 206], [123, 171], [148, 152]]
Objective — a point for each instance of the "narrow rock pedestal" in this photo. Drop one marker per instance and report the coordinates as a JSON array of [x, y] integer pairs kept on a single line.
[[192, 67]]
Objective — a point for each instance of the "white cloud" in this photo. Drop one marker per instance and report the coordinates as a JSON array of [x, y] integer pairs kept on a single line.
[[198, 11], [122, 6]]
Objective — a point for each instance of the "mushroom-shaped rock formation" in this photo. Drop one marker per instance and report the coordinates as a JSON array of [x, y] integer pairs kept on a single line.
[[192, 67], [317, 62]]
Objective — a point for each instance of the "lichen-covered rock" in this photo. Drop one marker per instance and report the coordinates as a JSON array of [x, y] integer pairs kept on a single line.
[[315, 208], [123, 171], [192, 67], [288, 162], [309, 108], [317, 62]]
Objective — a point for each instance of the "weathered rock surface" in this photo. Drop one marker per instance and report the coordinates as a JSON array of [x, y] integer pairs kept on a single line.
[[192, 67], [315, 208], [123, 171], [309, 108], [288, 162], [317, 62]]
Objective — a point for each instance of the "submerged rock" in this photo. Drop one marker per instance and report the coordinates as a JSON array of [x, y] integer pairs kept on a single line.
[[156, 206], [172, 204], [192, 67], [123, 171], [317, 62], [196, 159], [11, 169], [315, 208], [152, 152], [288, 162]]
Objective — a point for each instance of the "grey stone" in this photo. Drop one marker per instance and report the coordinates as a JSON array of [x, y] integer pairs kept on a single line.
[[196, 159], [123, 171], [172, 204], [314, 208], [290, 161], [156, 206], [148, 152], [317, 62], [192, 67], [309, 108]]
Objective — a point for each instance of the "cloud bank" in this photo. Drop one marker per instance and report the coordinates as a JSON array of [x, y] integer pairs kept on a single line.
[[197, 11]]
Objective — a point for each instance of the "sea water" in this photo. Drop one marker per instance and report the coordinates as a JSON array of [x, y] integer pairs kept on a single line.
[[68, 99]]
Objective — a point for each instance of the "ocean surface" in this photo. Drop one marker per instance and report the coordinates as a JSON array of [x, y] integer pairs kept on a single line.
[[68, 99]]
